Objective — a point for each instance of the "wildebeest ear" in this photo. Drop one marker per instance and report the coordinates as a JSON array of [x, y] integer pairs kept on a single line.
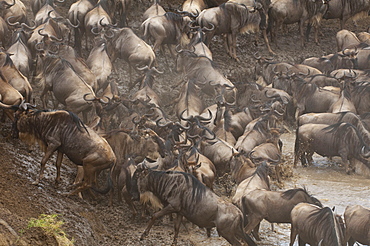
[[333, 208]]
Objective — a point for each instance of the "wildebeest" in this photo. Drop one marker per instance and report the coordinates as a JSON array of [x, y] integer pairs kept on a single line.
[[153, 10], [346, 58], [100, 64], [357, 219], [241, 167], [316, 226], [228, 18], [258, 180], [206, 74], [164, 29], [346, 40], [14, 77], [346, 9], [9, 96], [273, 206], [64, 132], [341, 139], [310, 98], [21, 57], [292, 11], [126, 45], [76, 14], [186, 196]]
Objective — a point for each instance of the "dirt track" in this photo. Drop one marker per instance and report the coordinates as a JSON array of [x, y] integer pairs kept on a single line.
[[93, 222]]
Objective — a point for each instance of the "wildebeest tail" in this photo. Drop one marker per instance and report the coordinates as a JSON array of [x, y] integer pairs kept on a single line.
[[246, 238], [145, 27], [296, 143]]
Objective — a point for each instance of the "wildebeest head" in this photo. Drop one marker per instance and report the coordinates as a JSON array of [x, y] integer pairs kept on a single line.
[[141, 171]]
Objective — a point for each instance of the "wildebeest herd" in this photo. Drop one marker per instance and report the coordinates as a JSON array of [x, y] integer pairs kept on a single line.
[[171, 160]]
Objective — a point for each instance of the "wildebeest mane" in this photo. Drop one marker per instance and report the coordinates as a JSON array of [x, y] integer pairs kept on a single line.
[[304, 89], [262, 172], [313, 7], [233, 10], [319, 222], [289, 194], [164, 187], [361, 88], [353, 6], [341, 130], [173, 17], [78, 122]]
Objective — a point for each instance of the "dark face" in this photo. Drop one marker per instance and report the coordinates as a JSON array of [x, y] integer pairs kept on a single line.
[[138, 180]]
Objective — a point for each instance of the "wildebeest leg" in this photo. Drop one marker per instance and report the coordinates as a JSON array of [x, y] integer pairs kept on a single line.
[[317, 29], [255, 232], [177, 228], [166, 210], [300, 241], [49, 151], [309, 157], [351, 241], [129, 202], [208, 232], [297, 150], [293, 235], [345, 161], [58, 164], [253, 222], [233, 46], [267, 42], [301, 23], [227, 43]]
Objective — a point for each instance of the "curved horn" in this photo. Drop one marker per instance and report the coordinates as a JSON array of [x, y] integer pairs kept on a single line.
[[11, 23], [42, 34], [54, 38], [93, 30], [181, 126], [37, 46], [208, 29], [256, 57], [109, 36], [136, 122], [177, 49], [156, 70], [157, 122], [29, 27], [101, 22], [145, 68], [9, 5], [366, 155], [182, 116], [204, 118], [70, 23], [84, 97], [49, 14], [103, 102]]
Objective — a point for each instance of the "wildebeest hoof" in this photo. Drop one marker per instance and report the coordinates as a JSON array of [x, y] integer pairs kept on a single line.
[[142, 236]]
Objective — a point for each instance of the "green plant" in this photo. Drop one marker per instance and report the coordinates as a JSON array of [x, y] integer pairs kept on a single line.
[[52, 225]]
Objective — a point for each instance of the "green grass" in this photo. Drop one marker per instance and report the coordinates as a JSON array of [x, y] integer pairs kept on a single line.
[[52, 225]]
